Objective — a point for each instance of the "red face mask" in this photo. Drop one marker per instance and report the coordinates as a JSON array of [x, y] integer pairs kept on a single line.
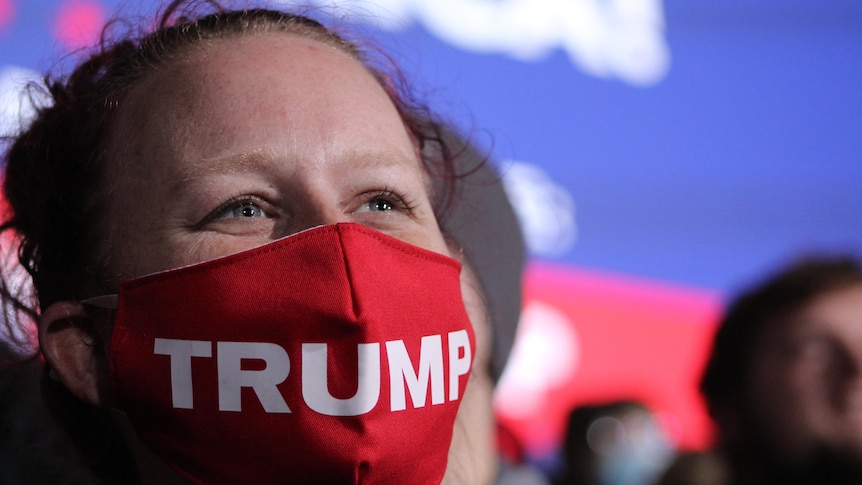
[[336, 355]]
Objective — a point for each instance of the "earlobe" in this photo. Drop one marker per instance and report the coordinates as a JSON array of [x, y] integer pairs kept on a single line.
[[74, 350]]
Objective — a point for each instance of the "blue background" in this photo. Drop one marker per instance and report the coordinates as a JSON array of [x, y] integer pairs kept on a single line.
[[747, 152]]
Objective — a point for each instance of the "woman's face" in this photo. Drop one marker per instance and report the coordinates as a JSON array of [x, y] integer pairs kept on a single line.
[[254, 138], [250, 139]]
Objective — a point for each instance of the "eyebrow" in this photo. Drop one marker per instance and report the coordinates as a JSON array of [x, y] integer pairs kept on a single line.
[[227, 164], [367, 159], [252, 160]]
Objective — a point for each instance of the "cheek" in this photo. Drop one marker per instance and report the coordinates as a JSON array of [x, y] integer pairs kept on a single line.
[[159, 254], [437, 240], [800, 378], [426, 235], [775, 390], [790, 399], [809, 382], [196, 248]]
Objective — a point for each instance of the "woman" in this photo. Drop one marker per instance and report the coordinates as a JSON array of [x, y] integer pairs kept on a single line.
[[260, 199]]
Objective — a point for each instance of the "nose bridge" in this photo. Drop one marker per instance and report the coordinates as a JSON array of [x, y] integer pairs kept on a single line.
[[324, 214], [314, 203], [851, 390], [849, 373], [854, 357]]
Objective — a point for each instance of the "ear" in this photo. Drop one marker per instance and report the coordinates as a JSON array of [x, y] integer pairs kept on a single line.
[[75, 351]]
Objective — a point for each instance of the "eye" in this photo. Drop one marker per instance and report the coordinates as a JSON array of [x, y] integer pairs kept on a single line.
[[819, 353], [384, 201], [376, 205], [236, 209], [245, 209]]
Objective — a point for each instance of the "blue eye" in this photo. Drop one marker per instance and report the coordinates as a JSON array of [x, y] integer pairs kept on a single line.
[[246, 210], [245, 207], [238, 215], [378, 205], [386, 200]]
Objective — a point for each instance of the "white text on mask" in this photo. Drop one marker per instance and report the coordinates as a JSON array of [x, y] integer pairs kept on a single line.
[[315, 390]]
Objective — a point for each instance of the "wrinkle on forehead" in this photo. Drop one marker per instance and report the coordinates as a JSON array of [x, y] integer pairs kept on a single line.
[[255, 160], [263, 102], [186, 85]]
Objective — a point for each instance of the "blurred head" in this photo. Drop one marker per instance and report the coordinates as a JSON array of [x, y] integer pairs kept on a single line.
[[209, 137], [785, 374], [695, 468], [615, 443]]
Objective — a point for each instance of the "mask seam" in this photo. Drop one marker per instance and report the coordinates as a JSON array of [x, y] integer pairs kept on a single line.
[[274, 246], [354, 302]]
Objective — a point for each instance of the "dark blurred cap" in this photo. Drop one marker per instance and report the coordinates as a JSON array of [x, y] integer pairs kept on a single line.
[[483, 221]]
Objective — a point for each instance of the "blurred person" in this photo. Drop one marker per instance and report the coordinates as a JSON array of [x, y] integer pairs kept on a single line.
[[231, 222], [695, 468], [784, 380], [515, 465], [614, 443]]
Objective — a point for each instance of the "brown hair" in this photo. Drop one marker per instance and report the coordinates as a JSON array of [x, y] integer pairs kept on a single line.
[[766, 303], [55, 180]]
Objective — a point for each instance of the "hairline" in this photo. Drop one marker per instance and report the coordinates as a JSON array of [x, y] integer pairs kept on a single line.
[[110, 152]]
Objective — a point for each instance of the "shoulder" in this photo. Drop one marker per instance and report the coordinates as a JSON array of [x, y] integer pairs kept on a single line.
[[35, 444]]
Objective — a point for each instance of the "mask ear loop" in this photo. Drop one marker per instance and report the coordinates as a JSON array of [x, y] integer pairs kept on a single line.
[[102, 302]]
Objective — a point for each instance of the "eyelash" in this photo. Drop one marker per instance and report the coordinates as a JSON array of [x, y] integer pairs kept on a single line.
[[228, 205], [398, 199]]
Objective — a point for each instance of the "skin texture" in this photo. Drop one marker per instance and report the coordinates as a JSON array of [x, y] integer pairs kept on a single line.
[[306, 136], [806, 382], [246, 140]]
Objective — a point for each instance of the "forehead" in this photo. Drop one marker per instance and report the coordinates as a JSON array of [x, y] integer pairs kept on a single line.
[[242, 91], [840, 310], [836, 313]]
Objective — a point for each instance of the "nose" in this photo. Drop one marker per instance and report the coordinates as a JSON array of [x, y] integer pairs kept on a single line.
[[312, 206], [852, 360], [323, 214], [852, 399], [850, 371]]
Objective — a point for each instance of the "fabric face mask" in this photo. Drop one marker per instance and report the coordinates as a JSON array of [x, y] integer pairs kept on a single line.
[[336, 355]]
